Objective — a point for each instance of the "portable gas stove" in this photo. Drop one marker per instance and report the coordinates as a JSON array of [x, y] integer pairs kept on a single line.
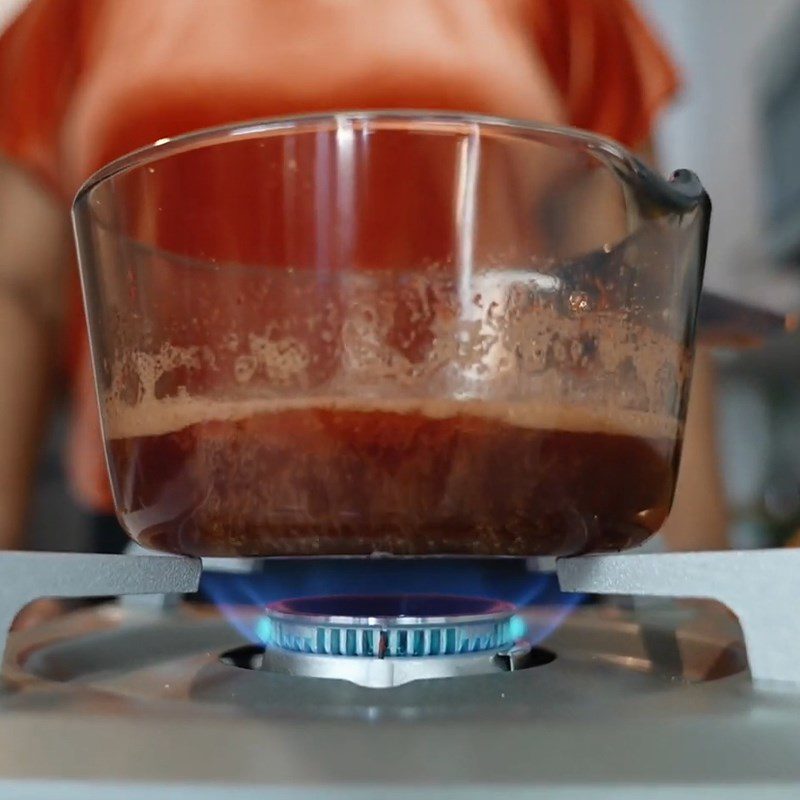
[[406, 696]]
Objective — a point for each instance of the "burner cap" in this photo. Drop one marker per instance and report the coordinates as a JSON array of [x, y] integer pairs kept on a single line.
[[388, 626], [379, 641]]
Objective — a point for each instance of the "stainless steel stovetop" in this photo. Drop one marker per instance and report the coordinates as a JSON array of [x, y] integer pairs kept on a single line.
[[646, 700]]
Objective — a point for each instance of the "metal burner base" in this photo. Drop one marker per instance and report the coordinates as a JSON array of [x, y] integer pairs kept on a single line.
[[383, 673]]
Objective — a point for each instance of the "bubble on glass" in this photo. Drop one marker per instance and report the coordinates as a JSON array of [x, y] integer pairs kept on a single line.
[[580, 302]]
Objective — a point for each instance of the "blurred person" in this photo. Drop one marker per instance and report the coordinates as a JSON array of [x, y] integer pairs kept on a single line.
[[84, 81]]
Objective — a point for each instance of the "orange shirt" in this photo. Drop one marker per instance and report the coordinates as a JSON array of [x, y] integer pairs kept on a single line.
[[84, 81]]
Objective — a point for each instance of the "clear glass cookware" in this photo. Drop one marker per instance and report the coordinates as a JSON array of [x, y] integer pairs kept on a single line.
[[391, 332]]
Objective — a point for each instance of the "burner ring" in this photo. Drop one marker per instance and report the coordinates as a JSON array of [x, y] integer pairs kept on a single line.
[[385, 673], [388, 626]]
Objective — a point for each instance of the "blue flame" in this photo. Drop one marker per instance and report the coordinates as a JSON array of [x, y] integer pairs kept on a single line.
[[263, 630], [518, 627], [501, 579], [541, 628]]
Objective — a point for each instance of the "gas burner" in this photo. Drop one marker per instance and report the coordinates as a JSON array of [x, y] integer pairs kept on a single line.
[[759, 586], [388, 640], [640, 692], [389, 626]]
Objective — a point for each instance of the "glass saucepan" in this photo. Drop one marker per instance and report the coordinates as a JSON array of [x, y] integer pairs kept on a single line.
[[396, 332]]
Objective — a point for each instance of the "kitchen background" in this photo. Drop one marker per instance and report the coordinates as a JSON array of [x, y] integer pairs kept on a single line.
[[737, 124]]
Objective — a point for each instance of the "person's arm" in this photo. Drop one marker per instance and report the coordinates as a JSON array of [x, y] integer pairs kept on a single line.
[[699, 516], [34, 242]]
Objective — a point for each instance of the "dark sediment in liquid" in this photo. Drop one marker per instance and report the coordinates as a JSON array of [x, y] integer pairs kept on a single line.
[[415, 478]]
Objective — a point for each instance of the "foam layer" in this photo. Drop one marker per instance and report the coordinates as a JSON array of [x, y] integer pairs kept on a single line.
[[157, 417]]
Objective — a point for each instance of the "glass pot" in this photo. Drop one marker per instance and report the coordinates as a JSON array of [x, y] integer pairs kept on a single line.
[[393, 332]]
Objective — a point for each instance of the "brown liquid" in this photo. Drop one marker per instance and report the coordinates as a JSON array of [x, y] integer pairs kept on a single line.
[[333, 478]]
